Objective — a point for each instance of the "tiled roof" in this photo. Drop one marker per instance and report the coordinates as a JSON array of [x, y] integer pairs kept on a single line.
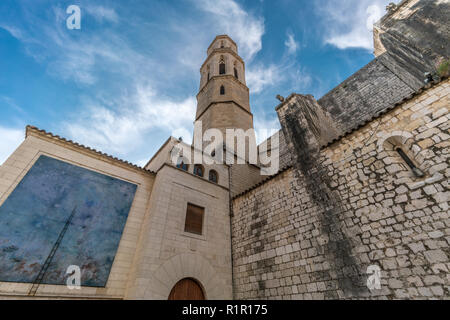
[[282, 170], [50, 135], [349, 131], [383, 111]]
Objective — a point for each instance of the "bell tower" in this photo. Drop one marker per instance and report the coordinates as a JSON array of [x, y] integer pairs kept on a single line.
[[223, 100]]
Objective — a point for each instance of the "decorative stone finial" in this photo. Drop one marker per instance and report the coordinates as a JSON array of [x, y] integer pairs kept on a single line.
[[391, 7]]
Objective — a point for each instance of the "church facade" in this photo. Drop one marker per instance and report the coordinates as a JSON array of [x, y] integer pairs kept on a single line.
[[358, 209]]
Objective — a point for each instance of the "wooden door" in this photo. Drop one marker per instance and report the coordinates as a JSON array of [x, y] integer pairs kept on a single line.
[[187, 289]]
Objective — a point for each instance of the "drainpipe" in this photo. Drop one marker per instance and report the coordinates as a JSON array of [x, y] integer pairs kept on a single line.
[[231, 229]]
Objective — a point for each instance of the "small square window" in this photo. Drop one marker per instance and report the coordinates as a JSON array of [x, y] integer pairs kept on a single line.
[[194, 219]]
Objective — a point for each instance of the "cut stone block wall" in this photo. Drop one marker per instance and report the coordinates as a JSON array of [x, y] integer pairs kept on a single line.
[[312, 231], [168, 254]]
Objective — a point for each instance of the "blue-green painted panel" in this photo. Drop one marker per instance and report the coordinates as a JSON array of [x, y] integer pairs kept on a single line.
[[34, 215]]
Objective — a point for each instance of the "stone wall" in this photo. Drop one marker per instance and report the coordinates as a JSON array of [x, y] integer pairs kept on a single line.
[[364, 94], [418, 24], [410, 42], [226, 115], [312, 231], [168, 254], [164, 157], [243, 176], [234, 91]]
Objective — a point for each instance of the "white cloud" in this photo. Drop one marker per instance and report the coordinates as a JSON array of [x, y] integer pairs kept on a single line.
[[299, 78], [11, 103], [288, 71], [141, 163], [134, 110], [10, 139], [259, 77], [291, 44], [184, 133], [102, 13], [349, 23], [81, 58], [265, 127], [124, 129], [15, 32], [121, 123], [230, 18]]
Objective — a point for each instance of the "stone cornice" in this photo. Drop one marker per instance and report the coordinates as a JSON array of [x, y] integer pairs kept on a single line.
[[222, 50], [218, 102], [221, 36], [358, 125], [223, 76]]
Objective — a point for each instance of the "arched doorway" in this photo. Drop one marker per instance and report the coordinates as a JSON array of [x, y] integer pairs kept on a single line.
[[187, 289]]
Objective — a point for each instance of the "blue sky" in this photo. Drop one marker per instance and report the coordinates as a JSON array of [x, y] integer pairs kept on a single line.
[[128, 79]]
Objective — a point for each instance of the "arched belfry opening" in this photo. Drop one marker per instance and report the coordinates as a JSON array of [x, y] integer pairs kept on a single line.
[[187, 289], [222, 66]]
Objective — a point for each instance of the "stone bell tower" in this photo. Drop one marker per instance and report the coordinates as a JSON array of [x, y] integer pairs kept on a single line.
[[223, 99]]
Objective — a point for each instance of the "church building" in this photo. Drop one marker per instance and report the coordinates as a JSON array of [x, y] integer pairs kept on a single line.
[[357, 208]]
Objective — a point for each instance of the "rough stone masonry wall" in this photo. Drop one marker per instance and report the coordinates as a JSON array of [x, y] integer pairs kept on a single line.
[[423, 26], [366, 93], [296, 239]]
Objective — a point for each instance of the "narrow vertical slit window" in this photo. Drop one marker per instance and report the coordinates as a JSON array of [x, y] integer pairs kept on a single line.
[[222, 90], [409, 162]]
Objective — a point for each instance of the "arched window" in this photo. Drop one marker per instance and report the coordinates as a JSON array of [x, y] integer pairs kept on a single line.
[[400, 145], [222, 68], [199, 170], [236, 73], [222, 90], [213, 177], [409, 162], [181, 164], [222, 45]]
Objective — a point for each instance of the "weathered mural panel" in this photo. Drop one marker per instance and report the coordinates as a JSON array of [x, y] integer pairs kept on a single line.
[[34, 215]]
